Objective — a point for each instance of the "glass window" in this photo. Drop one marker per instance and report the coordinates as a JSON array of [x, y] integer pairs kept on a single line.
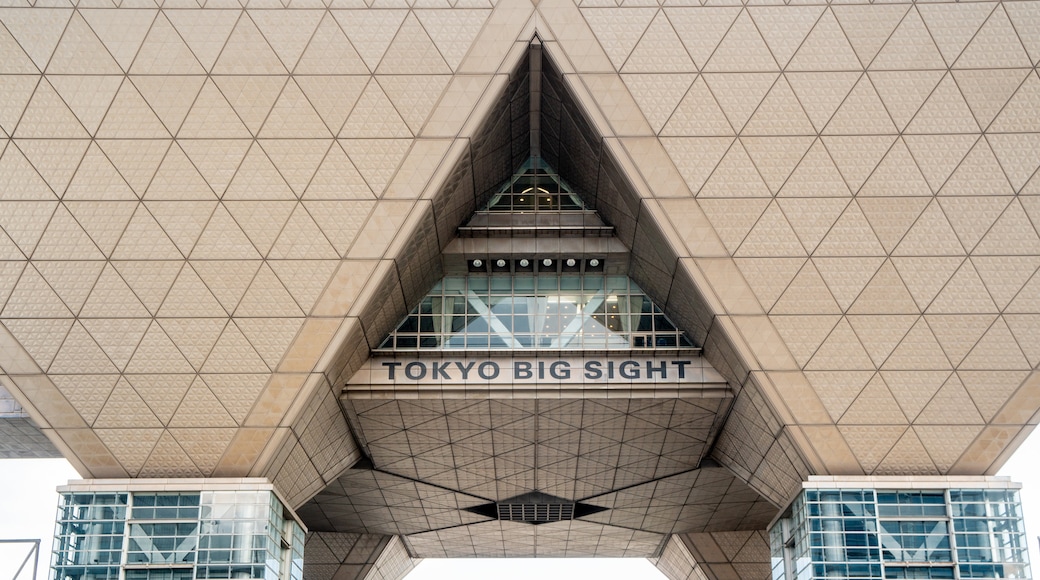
[[543, 312]]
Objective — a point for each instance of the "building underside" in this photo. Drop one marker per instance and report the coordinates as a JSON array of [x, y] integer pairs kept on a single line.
[[212, 217]]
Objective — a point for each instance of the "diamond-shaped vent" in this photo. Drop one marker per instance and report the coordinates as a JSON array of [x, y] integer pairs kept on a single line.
[[535, 513], [535, 508]]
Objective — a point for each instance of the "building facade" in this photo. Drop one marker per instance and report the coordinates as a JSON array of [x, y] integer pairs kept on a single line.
[[957, 527], [514, 277]]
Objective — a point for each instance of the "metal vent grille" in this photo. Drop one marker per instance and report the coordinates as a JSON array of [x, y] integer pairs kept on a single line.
[[536, 513]]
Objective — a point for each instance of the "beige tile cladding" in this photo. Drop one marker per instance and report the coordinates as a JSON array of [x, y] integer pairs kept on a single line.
[[193, 212]]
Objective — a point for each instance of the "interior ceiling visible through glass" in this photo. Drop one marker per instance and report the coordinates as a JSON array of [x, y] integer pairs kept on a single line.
[[535, 312], [535, 187]]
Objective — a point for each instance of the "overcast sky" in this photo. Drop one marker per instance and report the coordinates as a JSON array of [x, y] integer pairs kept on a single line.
[[28, 505]]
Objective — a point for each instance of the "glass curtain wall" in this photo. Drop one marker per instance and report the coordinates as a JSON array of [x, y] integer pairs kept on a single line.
[[176, 536], [864, 534]]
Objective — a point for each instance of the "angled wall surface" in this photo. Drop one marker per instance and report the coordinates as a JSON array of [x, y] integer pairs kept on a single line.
[[210, 213]]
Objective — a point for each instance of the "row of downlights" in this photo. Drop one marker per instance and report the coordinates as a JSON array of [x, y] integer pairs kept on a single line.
[[542, 265]]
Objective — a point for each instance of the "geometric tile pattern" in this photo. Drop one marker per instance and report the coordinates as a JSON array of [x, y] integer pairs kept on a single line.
[[497, 449], [839, 202], [377, 502], [715, 556], [346, 556]]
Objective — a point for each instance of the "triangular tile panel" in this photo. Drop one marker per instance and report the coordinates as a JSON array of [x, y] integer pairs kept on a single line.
[[842, 350], [233, 354], [847, 277], [909, 48], [857, 157], [288, 31], [252, 97], [1004, 276], [65, 238], [698, 113], [87, 393], [1027, 24], [55, 159], [972, 217], [996, 350], [785, 28], [333, 97], [121, 31], [739, 94], [48, 117], [904, 458], [89, 96], [37, 31], [735, 176], [989, 388], [919, 350], [771, 236], [131, 447], [964, 293], [80, 51], [702, 28], [1016, 117], [779, 113], [825, 49], [886, 293], [200, 409], [806, 294], [619, 29], [247, 52], [1011, 234], [374, 116], [41, 338], [330, 52], [293, 116], [803, 335], [904, 92], [881, 333], [659, 50], [413, 97], [777, 157], [412, 52], [995, 45], [164, 52], [987, 91], [135, 160], [869, 27], [946, 443], [952, 29], [874, 405], [194, 338], [945, 111], [211, 117], [371, 31], [453, 32], [821, 93], [81, 354], [296, 159], [112, 298], [862, 113], [149, 279], [1018, 155], [658, 95], [957, 334], [117, 337], [938, 155], [156, 354], [17, 62], [741, 49]]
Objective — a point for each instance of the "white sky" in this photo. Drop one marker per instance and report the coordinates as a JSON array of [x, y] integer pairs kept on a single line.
[[28, 503]]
